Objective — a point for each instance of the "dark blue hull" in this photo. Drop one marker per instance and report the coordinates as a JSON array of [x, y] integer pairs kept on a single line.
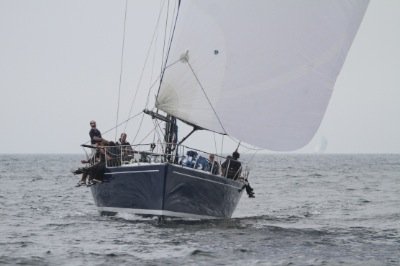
[[166, 189]]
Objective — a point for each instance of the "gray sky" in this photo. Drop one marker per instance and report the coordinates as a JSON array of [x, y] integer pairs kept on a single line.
[[60, 66]]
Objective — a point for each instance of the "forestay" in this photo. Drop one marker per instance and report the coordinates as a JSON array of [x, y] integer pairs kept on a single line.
[[262, 70]]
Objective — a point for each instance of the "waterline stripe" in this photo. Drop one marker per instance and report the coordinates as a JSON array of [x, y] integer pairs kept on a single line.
[[202, 179], [156, 212], [134, 172]]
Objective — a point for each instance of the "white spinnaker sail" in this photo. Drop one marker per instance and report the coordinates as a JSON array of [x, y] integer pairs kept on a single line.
[[261, 70]]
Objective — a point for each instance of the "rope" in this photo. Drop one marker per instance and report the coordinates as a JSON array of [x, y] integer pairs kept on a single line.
[[205, 94], [169, 46], [215, 144], [153, 130], [140, 125], [147, 57], [252, 157], [125, 121], [222, 144], [165, 38], [141, 121], [145, 64], [121, 69], [148, 94]]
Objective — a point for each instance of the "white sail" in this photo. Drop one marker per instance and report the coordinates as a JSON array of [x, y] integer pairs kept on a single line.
[[262, 70]]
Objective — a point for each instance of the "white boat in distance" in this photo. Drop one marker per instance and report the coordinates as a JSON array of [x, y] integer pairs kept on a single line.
[[260, 71]]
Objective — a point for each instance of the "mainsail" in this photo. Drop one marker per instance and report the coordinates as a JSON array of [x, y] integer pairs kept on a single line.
[[262, 71]]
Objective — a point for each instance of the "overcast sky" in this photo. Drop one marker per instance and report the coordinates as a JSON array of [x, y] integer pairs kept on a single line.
[[60, 67]]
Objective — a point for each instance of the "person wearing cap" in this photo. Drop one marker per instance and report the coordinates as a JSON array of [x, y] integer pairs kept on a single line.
[[94, 133]]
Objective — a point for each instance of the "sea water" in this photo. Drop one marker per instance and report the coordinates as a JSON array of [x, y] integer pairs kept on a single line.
[[308, 210]]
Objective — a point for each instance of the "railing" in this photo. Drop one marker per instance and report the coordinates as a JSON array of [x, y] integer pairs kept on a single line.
[[185, 156]]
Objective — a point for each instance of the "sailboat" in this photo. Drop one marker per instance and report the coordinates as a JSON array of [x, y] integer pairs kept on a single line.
[[259, 71]]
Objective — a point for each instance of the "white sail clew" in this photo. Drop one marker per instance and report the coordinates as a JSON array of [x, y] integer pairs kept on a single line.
[[267, 67]]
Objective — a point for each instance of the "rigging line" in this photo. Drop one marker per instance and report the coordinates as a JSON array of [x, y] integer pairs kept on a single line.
[[173, 63], [125, 121], [162, 55], [154, 135], [156, 81], [247, 147], [146, 60], [148, 134], [222, 145], [156, 37], [121, 69], [148, 94], [147, 102], [151, 131], [169, 48], [208, 99], [171, 31], [165, 38], [215, 144], [157, 124], [252, 157], [129, 118], [141, 121], [217, 152], [160, 139], [153, 67], [140, 125], [219, 155]]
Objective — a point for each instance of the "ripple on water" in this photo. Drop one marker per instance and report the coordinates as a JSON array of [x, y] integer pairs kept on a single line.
[[308, 210]]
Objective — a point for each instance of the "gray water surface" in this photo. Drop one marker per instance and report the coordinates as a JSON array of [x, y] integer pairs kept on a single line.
[[308, 210]]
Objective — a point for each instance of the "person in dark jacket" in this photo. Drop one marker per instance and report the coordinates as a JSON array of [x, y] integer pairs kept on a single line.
[[213, 165], [126, 148], [94, 133], [106, 155], [232, 168]]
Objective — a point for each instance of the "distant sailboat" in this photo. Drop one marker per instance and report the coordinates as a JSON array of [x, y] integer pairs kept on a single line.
[[260, 71], [322, 145]]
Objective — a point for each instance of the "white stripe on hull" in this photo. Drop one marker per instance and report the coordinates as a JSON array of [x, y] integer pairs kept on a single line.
[[202, 179], [133, 172], [156, 212]]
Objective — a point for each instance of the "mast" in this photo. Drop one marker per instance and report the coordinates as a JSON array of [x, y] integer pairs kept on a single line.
[[171, 128], [171, 137], [170, 133]]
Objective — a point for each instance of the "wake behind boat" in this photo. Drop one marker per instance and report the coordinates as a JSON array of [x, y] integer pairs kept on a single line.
[[261, 73]]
